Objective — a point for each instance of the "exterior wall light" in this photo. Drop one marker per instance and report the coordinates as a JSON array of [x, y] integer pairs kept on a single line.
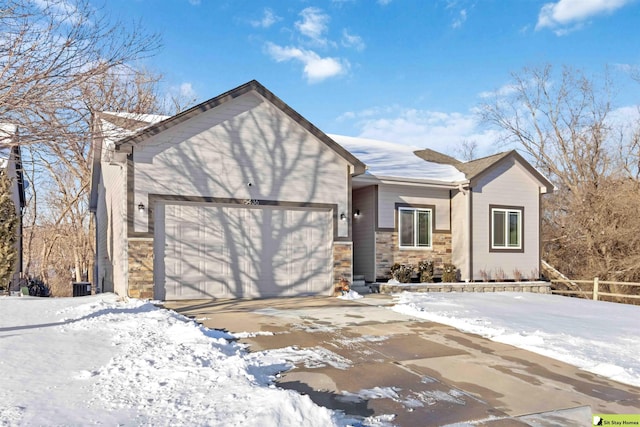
[[343, 217], [356, 213], [140, 207]]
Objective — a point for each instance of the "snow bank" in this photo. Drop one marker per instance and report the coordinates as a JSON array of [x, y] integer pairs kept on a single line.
[[94, 360], [596, 336], [351, 295]]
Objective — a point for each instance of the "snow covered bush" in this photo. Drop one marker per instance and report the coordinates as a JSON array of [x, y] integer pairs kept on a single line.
[[425, 268], [449, 273], [402, 272]]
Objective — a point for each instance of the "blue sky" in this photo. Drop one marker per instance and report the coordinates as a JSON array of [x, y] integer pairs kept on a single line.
[[409, 71]]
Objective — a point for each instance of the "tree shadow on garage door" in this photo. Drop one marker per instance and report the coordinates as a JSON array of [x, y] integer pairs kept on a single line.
[[248, 203]]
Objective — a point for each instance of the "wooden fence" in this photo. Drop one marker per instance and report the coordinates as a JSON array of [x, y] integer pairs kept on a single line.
[[595, 292]]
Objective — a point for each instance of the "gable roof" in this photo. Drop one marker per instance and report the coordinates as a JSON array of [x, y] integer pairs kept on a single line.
[[255, 86], [474, 169], [436, 157]]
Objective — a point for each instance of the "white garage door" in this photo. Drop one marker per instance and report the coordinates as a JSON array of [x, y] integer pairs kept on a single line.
[[214, 251]]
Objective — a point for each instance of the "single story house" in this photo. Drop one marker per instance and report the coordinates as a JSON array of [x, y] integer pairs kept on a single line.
[[242, 197], [11, 165]]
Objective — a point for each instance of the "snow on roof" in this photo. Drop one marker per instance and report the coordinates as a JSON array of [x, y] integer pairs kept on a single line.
[[389, 159], [149, 118], [118, 125]]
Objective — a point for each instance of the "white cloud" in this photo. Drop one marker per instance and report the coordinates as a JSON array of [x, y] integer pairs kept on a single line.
[[179, 97], [351, 40], [444, 132], [268, 19], [462, 17], [62, 11], [314, 24], [384, 2], [316, 68], [568, 15], [186, 90], [505, 90]]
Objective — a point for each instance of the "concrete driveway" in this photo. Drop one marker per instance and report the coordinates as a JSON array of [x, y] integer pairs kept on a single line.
[[437, 375]]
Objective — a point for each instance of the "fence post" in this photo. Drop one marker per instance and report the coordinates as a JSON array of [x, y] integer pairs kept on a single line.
[[595, 288]]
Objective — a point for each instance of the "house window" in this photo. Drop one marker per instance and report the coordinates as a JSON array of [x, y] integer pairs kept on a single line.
[[414, 227], [506, 228]]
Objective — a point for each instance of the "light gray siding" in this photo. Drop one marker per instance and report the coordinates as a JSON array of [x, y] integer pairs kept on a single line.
[[508, 184], [460, 229], [245, 149], [389, 195], [111, 245], [364, 248]]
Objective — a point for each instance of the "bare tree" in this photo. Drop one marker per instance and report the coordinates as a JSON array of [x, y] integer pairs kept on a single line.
[[60, 61], [563, 122], [50, 49], [468, 150], [8, 231]]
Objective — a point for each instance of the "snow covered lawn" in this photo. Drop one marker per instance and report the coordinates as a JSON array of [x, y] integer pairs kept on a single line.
[[596, 336], [94, 360]]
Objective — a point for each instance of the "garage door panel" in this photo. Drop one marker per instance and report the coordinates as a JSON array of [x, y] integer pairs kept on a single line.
[[226, 252]]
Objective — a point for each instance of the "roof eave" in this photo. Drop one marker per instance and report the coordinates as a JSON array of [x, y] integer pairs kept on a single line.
[[383, 179]]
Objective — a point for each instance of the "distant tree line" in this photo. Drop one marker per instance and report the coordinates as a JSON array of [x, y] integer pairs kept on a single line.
[[567, 124], [61, 61]]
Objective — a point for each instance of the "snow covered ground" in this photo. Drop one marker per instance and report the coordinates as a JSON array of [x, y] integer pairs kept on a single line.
[[596, 336], [94, 360], [97, 360]]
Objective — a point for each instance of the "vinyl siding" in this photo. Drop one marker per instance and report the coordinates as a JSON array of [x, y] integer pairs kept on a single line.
[[364, 257], [460, 233], [112, 229], [509, 184], [246, 140], [389, 195]]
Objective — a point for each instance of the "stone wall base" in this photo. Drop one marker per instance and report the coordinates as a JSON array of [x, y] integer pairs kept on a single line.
[[342, 262], [140, 268], [535, 287], [388, 252]]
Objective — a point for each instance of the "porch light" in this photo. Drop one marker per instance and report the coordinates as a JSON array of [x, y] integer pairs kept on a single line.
[[356, 213], [140, 207], [343, 217]]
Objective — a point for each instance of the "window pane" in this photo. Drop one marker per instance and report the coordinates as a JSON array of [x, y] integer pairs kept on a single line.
[[406, 228], [424, 228], [514, 229], [499, 228]]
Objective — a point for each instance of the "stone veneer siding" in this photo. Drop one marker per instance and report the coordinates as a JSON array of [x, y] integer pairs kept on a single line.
[[342, 261], [388, 252], [141, 268]]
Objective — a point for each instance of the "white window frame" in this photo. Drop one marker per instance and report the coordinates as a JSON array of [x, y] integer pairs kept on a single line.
[[508, 211], [416, 230]]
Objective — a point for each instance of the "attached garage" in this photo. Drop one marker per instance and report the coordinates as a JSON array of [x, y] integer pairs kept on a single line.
[[237, 197], [205, 251]]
